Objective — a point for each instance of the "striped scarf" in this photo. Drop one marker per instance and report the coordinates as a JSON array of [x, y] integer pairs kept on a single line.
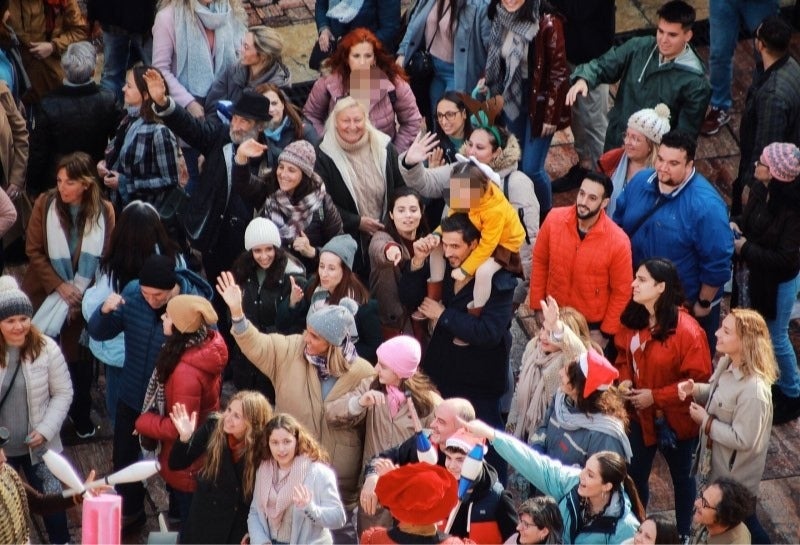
[[517, 35]]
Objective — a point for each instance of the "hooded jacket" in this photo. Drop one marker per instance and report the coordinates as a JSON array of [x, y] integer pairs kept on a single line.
[[144, 333], [680, 84], [196, 382], [235, 80]]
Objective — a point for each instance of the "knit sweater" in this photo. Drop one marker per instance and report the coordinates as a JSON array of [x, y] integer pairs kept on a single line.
[[368, 184]]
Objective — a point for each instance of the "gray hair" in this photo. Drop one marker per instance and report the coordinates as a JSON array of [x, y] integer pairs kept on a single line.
[[79, 62]]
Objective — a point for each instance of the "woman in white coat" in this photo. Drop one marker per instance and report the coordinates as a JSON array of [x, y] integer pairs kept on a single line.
[[35, 395], [295, 499]]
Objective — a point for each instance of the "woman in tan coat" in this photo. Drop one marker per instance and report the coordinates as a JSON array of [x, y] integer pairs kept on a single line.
[[45, 28], [13, 144], [310, 371], [68, 233]]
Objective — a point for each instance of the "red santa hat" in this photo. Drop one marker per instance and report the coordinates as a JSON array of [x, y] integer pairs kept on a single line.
[[418, 493], [599, 372]]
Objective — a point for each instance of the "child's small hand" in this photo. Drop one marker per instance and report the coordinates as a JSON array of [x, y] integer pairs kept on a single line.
[[458, 275]]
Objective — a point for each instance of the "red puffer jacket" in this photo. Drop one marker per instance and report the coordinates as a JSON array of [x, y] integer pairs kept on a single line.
[[196, 383]]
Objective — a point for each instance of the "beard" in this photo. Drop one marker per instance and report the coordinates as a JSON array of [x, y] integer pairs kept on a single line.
[[237, 137], [587, 215]]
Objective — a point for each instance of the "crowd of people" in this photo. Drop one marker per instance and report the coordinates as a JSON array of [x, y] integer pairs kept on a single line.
[[352, 265]]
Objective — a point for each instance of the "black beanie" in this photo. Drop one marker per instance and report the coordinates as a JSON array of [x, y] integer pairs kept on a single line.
[[158, 271]]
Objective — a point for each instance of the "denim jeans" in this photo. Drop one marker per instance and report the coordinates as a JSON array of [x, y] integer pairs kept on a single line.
[[679, 461], [725, 19], [710, 325], [789, 379], [40, 478], [534, 153], [444, 79], [122, 50]]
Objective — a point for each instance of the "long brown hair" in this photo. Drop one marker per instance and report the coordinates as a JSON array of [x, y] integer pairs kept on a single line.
[[256, 412], [30, 349], [78, 166], [306, 444], [607, 402], [146, 109], [173, 348], [422, 390], [289, 109], [349, 286], [614, 470]]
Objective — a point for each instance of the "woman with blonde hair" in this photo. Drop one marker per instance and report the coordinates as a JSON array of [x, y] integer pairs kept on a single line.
[[232, 442], [563, 337], [734, 410], [295, 498], [68, 233], [260, 62], [360, 167]]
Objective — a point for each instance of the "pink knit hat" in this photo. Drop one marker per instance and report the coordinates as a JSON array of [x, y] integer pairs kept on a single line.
[[782, 160], [401, 354]]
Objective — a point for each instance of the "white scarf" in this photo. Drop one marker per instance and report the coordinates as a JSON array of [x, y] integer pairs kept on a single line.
[[51, 315], [195, 68], [344, 11]]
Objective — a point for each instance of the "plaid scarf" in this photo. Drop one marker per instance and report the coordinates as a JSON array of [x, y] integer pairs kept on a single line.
[[520, 35], [292, 218], [320, 363]]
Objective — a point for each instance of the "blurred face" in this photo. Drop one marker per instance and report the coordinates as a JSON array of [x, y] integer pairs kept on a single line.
[[671, 39], [591, 484], [249, 54], [289, 176], [14, 329], [456, 251], [450, 118], [705, 506], [444, 424], [646, 290], [637, 146], [233, 421], [479, 146], [566, 386], [276, 107], [463, 193], [590, 199], [166, 324], [264, 255], [646, 534], [330, 271], [351, 124], [529, 532], [316, 345], [728, 341], [453, 460], [156, 298], [71, 191], [406, 215], [242, 128], [361, 57], [672, 166], [386, 375], [130, 94], [282, 446]]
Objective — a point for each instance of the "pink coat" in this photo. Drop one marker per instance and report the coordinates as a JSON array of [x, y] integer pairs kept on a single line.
[[399, 117]]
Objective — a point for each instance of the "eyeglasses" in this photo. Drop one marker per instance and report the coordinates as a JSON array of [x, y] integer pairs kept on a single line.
[[704, 502], [758, 163], [528, 525], [451, 115]]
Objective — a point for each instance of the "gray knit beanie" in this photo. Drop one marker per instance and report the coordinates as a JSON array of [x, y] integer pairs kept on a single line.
[[13, 301], [335, 323], [344, 247]]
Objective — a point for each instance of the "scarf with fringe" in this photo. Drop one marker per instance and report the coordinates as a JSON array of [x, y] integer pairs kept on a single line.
[[283, 501]]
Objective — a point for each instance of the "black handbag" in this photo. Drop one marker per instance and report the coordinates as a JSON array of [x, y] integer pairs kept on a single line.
[[420, 65], [317, 57]]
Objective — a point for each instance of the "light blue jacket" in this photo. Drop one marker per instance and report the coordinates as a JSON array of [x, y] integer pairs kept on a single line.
[[112, 351], [469, 47], [309, 525], [561, 482]]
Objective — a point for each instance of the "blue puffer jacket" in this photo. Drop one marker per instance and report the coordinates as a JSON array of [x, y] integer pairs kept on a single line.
[[615, 525], [144, 333], [691, 229]]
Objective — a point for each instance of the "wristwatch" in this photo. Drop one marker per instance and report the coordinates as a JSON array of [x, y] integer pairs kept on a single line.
[[704, 303]]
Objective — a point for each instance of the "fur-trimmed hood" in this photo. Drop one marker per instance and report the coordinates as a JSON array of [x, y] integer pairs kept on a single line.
[[507, 161]]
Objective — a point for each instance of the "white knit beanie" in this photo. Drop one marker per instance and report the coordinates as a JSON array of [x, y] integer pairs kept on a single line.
[[651, 122], [261, 231]]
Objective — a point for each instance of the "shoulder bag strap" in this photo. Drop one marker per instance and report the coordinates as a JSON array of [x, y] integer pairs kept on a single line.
[[10, 384]]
